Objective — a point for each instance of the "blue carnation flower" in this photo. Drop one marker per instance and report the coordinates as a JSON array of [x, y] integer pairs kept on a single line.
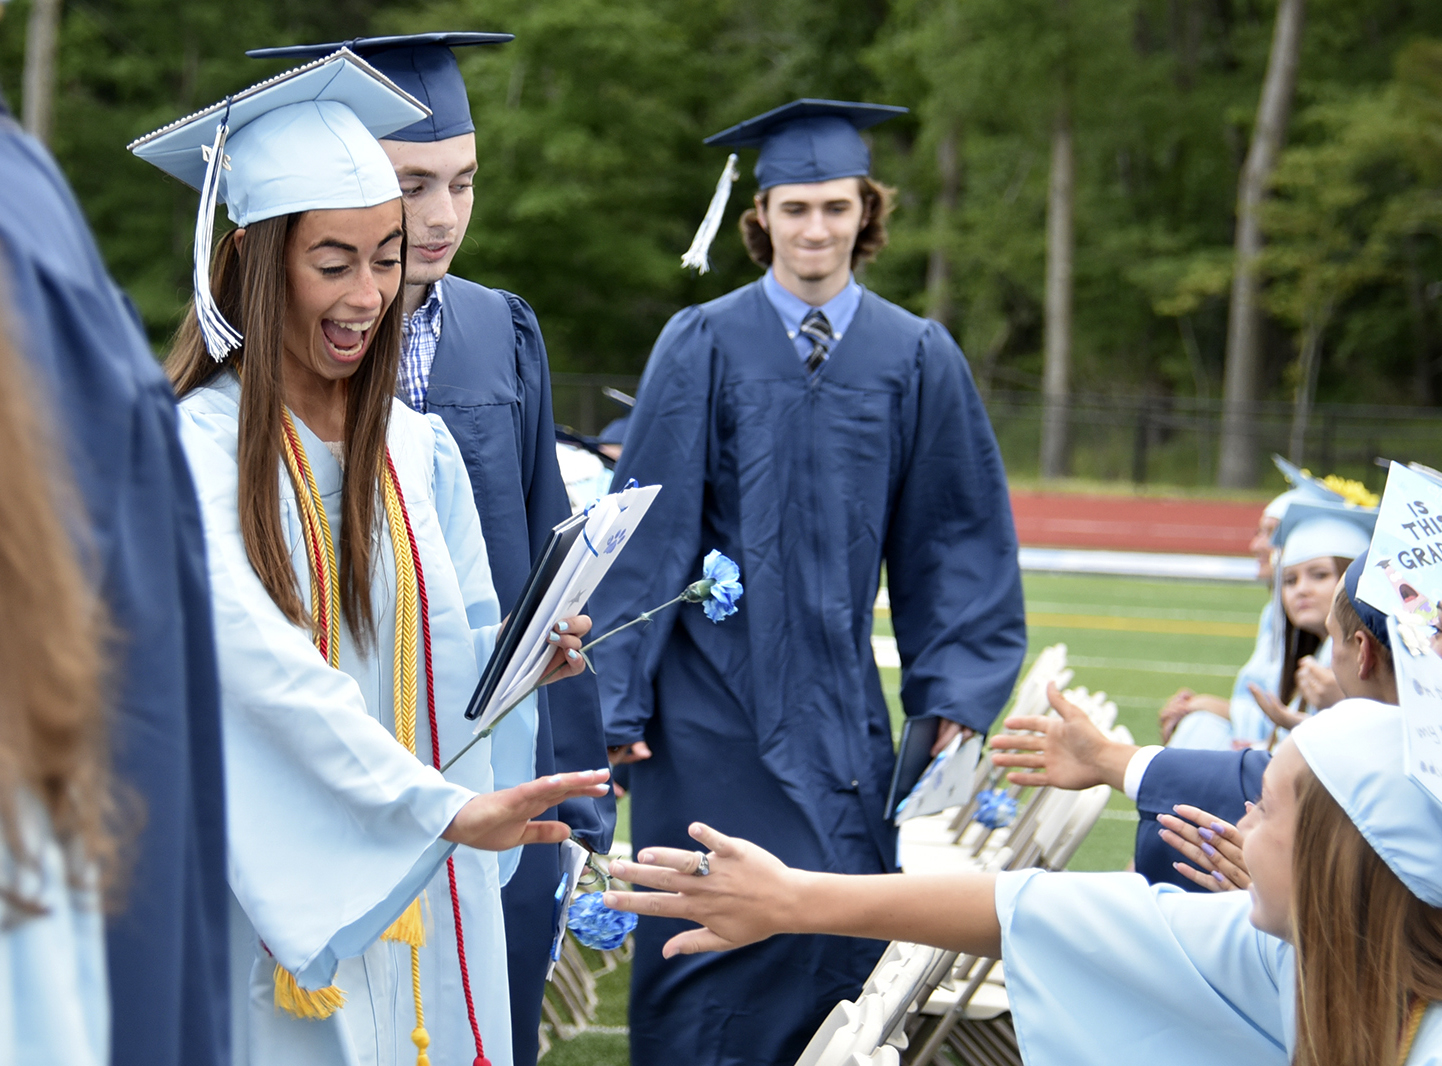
[[726, 588], [597, 925], [995, 809]]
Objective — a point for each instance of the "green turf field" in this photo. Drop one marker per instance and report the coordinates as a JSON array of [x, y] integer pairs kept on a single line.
[[1138, 641]]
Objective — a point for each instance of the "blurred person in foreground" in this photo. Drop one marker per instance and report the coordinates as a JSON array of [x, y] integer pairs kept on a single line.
[[353, 601], [475, 357], [58, 842], [113, 422], [811, 431], [1206, 788]]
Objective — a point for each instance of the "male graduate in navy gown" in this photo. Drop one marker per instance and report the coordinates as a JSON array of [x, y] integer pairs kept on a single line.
[[114, 416], [811, 431], [474, 356]]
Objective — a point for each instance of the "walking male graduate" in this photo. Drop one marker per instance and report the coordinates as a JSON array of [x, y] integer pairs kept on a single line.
[[475, 357], [812, 431]]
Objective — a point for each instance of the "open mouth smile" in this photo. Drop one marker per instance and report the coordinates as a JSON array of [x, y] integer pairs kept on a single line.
[[346, 340]]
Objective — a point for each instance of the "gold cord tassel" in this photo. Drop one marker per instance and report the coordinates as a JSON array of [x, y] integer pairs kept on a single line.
[[312, 1006], [409, 928], [419, 1037]]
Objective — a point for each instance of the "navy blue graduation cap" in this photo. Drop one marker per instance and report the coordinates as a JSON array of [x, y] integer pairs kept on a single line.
[[421, 64], [802, 142]]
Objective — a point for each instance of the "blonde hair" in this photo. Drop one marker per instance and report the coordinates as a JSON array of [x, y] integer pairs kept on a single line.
[[52, 725], [1367, 948]]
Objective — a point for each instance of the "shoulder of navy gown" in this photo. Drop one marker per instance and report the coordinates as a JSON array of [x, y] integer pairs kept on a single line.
[[114, 412], [1219, 782], [491, 385]]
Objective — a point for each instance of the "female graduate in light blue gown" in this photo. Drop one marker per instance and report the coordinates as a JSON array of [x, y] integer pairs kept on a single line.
[[1334, 955], [353, 602]]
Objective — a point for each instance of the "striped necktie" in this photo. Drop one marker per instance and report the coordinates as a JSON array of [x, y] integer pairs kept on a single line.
[[815, 326]]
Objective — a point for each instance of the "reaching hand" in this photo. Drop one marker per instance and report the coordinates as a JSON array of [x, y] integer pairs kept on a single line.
[[623, 753], [566, 660], [496, 821], [1175, 709], [946, 732], [1317, 684], [1212, 844], [745, 898], [1067, 751], [1281, 715]]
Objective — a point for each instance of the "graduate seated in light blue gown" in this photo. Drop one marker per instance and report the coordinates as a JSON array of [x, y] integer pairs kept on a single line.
[[1315, 542], [353, 602], [1189, 799], [57, 849], [1333, 957]]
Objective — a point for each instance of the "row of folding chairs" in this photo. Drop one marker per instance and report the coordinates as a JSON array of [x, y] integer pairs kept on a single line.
[[922, 1005]]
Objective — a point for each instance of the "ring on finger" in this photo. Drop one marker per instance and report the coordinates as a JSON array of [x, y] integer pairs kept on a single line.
[[703, 865]]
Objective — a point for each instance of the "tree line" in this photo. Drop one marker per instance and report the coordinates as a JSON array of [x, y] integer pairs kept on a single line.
[[1238, 200]]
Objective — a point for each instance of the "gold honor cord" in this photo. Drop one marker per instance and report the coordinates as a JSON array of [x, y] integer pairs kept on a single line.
[[409, 928]]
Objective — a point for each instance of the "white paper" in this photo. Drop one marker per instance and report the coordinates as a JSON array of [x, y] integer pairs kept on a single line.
[[948, 782], [1419, 689], [612, 520], [1403, 576], [573, 861]]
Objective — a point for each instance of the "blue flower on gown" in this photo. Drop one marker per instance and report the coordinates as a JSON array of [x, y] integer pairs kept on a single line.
[[597, 925], [726, 589]]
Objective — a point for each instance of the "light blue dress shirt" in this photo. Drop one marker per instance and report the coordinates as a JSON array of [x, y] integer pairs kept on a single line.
[[839, 310]]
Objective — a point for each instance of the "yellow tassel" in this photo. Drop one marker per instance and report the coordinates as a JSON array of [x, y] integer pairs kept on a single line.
[[422, 1040], [409, 928], [313, 1006]]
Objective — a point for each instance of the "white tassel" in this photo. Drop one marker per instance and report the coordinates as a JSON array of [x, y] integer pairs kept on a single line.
[[219, 335], [699, 254]]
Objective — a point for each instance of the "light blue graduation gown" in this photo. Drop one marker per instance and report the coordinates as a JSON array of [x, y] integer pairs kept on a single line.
[[1104, 969], [54, 997], [333, 826]]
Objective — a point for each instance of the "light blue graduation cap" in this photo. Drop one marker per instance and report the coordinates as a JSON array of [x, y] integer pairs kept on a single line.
[[301, 141], [420, 63], [1310, 530], [1358, 751], [1303, 487], [803, 142]]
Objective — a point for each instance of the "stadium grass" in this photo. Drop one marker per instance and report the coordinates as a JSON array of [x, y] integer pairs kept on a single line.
[[1136, 640]]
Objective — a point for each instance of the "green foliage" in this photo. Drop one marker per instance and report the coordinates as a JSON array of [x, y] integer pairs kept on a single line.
[[593, 176]]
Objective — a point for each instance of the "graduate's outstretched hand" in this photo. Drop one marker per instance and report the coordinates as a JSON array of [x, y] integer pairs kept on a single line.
[[1282, 716], [1067, 751], [1213, 845], [747, 896], [566, 660], [496, 821]]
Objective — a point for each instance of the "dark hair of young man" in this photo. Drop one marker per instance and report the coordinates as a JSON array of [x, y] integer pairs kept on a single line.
[[877, 202]]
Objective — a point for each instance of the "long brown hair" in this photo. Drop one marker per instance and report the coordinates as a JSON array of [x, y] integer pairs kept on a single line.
[[877, 202], [1297, 643], [1367, 948], [250, 290], [52, 724]]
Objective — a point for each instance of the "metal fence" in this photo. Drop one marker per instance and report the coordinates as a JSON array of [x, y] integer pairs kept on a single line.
[[1141, 439]]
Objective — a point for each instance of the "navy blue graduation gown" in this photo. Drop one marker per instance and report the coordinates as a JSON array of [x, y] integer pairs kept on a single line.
[[167, 947], [772, 724], [491, 385], [1219, 782]]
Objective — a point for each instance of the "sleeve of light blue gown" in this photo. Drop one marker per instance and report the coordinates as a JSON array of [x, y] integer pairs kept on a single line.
[[513, 744], [1104, 969], [951, 554], [333, 827], [666, 444]]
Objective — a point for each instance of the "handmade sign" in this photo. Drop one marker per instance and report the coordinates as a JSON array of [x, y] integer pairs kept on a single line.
[[1404, 566], [1419, 690]]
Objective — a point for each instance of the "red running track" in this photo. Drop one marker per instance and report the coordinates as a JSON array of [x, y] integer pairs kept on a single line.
[[1134, 523]]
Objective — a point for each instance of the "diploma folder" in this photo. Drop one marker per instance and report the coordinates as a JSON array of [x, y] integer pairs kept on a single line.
[[576, 557]]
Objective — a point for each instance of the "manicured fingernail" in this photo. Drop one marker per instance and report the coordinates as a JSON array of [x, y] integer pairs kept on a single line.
[[1218, 875], [554, 638], [1209, 851], [564, 627], [608, 898], [573, 655], [1219, 829], [645, 857], [1250, 805], [556, 780], [1206, 834]]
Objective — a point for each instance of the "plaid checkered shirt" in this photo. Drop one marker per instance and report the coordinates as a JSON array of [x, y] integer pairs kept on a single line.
[[420, 334]]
